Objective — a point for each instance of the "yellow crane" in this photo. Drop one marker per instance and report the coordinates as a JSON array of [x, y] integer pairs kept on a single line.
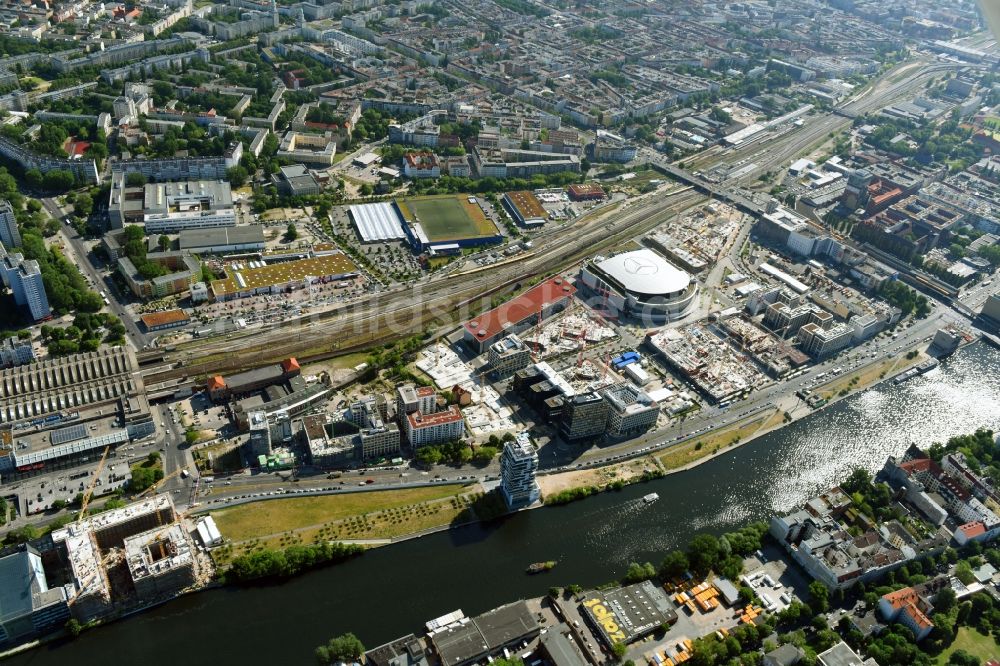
[[93, 482]]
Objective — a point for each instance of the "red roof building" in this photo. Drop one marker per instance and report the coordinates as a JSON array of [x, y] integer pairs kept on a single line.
[[519, 313], [290, 366]]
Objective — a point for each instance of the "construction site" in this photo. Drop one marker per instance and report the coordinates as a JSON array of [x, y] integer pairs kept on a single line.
[[715, 367], [130, 557]]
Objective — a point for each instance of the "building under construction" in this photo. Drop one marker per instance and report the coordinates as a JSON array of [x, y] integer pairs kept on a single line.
[[126, 557]]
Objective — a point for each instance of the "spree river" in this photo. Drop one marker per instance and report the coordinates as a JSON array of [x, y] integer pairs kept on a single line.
[[393, 590]]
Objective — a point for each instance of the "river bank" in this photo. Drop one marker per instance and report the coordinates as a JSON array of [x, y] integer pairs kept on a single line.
[[593, 541]]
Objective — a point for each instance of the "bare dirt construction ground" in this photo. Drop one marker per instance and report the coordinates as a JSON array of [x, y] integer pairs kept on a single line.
[[623, 471]]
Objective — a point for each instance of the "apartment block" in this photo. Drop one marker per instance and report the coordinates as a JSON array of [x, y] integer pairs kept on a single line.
[[518, 465], [436, 428], [9, 235]]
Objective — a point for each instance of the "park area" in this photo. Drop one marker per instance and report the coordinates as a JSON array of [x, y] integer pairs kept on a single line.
[[375, 516], [448, 217], [982, 648]]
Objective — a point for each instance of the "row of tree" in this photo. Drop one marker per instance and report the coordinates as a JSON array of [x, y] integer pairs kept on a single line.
[[274, 564]]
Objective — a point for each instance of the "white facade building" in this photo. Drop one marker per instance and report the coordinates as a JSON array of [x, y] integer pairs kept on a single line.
[[518, 465]]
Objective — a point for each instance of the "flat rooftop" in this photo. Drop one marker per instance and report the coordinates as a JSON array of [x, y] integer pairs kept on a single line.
[[191, 239], [282, 273], [516, 310]]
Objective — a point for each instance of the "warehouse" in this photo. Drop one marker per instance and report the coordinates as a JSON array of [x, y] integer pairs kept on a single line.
[[640, 283], [626, 614], [222, 240], [377, 222], [525, 208]]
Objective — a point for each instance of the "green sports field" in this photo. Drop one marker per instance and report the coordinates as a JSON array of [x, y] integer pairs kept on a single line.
[[448, 217]]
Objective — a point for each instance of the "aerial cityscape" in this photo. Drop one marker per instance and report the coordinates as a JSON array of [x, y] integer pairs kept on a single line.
[[510, 332]]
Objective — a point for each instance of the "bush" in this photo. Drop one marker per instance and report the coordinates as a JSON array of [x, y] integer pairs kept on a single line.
[[343, 648], [276, 564]]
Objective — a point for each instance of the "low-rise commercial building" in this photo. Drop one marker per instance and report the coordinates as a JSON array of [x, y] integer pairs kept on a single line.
[[313, 149], [249, 238], [507, 356], [631, 410]]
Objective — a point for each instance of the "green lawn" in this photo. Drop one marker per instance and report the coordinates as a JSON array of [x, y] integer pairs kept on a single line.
[[448, 217], [973, 642], [259, 519]]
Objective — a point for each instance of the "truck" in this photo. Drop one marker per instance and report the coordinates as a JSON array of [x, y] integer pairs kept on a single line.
[[185, 474]]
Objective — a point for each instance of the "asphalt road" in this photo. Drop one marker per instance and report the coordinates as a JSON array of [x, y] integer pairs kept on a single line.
[[81, 257]]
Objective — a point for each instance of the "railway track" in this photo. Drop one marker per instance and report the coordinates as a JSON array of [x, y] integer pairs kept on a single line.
[[400, 313]]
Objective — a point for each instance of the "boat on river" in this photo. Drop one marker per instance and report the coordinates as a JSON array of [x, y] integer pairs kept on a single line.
[[650, 498], [541, 567]]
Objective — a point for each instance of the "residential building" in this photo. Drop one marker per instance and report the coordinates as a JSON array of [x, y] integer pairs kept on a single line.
[[24, 278], [9, 235], [518, 465], [84, 170], [817, 341], [410, 398], [909, 608], [421, 165], [317, 150], [631, 410], [435, 428]]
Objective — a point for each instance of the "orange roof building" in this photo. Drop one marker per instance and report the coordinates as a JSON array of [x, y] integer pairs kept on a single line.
[[908, 608]]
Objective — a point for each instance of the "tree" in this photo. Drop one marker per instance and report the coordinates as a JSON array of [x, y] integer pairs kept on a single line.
[[135, 180], [703, 553], [345, 647], [945, 600], [237, 176], [962, 658], [74, 627], [153, 458], [639, 572], [619, 650], [84, 205], [191, 436], [58, 180], [291, 233], [674, 564], [163, 242], [819, 597], [963, 571]]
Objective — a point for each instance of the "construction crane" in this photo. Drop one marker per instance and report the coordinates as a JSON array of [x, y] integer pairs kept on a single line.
[[93, 482], [160, 482]]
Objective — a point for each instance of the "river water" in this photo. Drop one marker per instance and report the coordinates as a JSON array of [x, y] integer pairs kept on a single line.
[[394, 590]]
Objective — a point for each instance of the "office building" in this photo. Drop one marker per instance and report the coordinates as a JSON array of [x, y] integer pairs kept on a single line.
[[435, 428], [518, 465], [584, 416], [24, 278], [631, 410], [28, 606], [507, 356], [991, 308], [9, 235]]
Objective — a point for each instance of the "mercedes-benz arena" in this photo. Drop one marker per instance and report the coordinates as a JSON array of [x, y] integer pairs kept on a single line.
[[640, 284]]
